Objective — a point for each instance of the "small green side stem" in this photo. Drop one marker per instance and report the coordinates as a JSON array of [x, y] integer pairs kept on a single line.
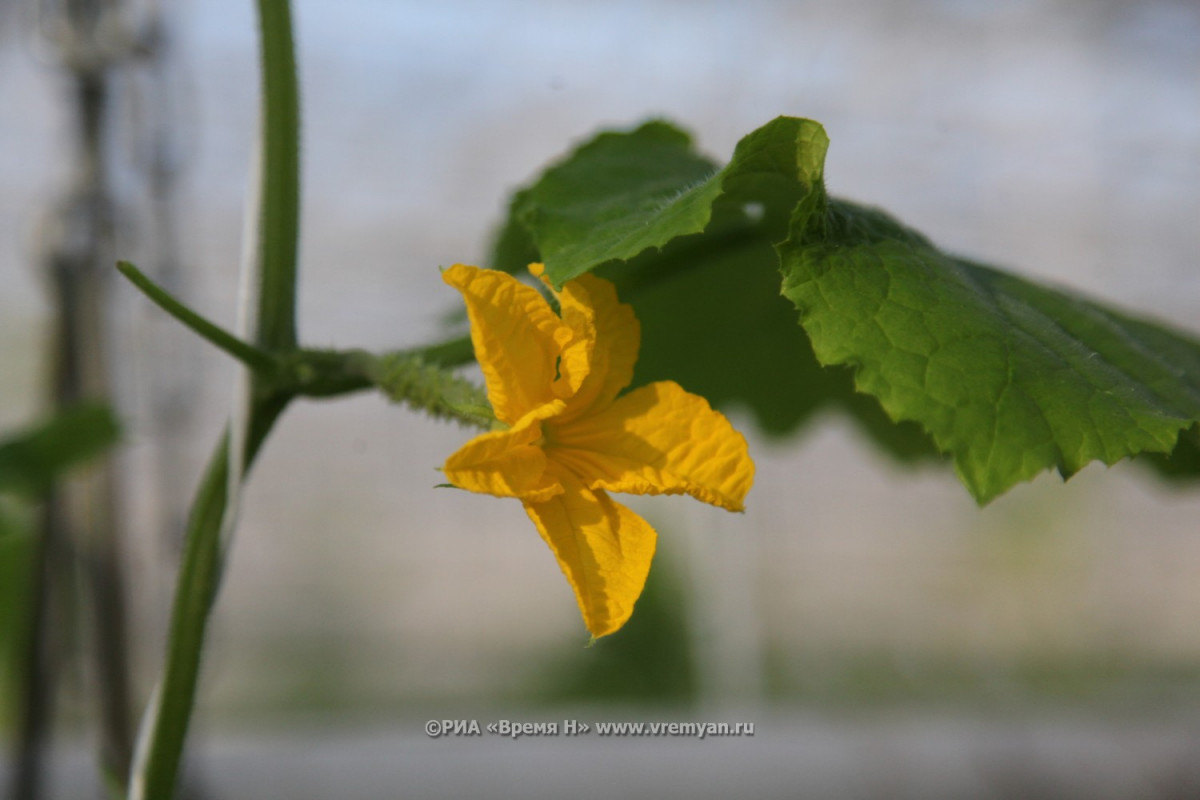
[[248, 354]]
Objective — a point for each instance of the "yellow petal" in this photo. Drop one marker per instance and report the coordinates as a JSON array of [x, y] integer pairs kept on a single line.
[[658, 439], [507, 463], [603, 548], [575, 362], [600, 357], [517, 338]]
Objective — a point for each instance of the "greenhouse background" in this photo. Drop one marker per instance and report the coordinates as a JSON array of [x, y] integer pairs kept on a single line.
[[881, 630]]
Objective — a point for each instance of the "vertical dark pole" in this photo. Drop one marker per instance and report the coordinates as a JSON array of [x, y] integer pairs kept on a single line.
[[80, 532]]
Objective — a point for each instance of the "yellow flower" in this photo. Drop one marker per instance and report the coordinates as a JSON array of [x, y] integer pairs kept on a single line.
[[553, 381]]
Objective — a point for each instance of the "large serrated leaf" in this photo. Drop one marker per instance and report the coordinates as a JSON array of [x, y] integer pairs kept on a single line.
[[622, 194], [709, 304], [616, 196], [1008, 377]]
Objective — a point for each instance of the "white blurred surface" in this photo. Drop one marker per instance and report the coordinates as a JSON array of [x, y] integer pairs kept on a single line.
[[935, 756], [1062, 139]]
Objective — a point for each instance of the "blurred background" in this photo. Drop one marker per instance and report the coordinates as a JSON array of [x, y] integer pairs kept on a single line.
[[888, 637]]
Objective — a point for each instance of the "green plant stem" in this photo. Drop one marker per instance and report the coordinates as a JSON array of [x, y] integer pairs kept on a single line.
[[280, 372], [199, 577], [450, 353], [248, 354], [279, 212], [415, 380], [309, 373], [420, 378], [329, 373], [273, 271]]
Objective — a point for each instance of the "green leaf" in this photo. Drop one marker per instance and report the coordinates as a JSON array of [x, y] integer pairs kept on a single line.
[[32, 460], [1010, 377], [709, 304], [614, 197], [695, 331], [620, 195], [1182, 463]]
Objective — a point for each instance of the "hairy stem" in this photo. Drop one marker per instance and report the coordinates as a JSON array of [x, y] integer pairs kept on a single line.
[[413, 379]]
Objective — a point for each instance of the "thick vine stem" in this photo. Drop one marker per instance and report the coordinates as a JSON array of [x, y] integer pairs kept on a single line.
[[274, 231]]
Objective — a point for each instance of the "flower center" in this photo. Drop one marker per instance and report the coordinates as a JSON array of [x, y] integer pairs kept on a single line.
[[547, 440]]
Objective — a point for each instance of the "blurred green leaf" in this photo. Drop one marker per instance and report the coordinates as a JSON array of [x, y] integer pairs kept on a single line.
[[648, 661], [32, 460], [1182, 463], [16, 569]]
